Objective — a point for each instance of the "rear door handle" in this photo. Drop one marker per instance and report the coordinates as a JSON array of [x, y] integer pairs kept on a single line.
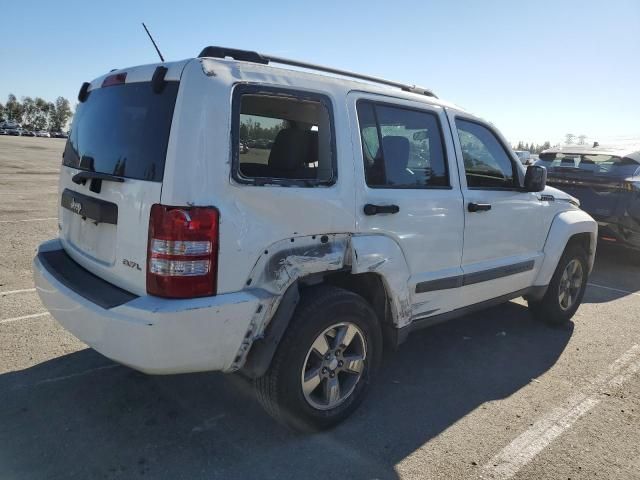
[[479, 207], [370, 209]]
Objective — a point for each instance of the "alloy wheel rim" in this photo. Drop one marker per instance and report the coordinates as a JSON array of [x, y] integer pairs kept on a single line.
[[570, 284], [333, 366]]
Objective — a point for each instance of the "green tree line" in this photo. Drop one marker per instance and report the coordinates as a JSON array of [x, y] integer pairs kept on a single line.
[[36, 113], [253, 130], [532, 147]]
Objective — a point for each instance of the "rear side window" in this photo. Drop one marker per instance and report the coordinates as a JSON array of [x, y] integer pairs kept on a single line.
[[401, 147], [486, 163], [123, 130], [282, 137]]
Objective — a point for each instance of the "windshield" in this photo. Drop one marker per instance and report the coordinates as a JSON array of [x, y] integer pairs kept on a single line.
[[599, 164], [123, 130]]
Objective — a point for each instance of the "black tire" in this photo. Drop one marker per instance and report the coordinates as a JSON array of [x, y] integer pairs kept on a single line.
[[549, 309], [280, 389]]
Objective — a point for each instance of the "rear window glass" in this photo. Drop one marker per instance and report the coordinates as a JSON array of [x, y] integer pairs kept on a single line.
[[588, 163], [123, 130]]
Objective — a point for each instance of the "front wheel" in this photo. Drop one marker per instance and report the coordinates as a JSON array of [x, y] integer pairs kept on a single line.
[[566, 289], [325, 361]]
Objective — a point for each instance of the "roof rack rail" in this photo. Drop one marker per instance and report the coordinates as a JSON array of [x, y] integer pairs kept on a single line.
[[255, 57]]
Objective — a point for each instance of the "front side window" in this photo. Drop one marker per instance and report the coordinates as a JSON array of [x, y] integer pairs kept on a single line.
[[283, 138], [401, 147], [486, 163]]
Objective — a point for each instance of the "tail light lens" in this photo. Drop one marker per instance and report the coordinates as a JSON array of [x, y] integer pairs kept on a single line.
[[182, 257]]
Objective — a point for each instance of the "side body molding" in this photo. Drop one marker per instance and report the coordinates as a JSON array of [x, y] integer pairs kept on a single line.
[[382, 255], [564, 226]]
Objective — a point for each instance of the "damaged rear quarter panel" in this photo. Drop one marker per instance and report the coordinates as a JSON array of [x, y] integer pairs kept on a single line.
[[281, 264], [289, 260]]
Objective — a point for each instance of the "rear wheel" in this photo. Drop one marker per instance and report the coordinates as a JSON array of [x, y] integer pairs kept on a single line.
[[325, 361], [566, 289]]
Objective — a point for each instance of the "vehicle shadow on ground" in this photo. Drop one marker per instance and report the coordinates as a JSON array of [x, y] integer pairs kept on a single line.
[[616, 274], [81, 416]]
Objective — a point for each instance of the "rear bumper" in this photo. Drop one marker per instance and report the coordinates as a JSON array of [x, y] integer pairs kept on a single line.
[[150, 334]]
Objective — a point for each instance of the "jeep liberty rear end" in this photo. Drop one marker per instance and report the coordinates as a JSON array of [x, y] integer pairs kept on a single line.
[[121, 253], [224, 214]]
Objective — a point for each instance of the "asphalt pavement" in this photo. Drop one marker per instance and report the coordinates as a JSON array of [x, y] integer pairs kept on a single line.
[[491, 395]]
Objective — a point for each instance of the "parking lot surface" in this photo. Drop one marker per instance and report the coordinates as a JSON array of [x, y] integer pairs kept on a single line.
[[491, 395]]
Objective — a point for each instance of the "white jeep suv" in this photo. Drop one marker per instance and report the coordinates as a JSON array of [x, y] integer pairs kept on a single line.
[[363, 210]]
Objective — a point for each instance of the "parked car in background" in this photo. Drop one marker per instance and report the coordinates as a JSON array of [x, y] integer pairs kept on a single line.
[[13, 131], [43, 133], [606, 181], [28, 133], [59, 135], [524, 156], [3, 131]]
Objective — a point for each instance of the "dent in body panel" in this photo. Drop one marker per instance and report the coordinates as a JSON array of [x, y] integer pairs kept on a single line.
[[289, 260], [281, 264], [382, 255]]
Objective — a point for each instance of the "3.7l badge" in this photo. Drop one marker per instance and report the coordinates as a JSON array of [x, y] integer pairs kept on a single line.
[[131, 264]]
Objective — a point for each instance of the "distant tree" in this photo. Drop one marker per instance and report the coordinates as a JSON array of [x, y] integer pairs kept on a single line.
[[13, 109], [41, 115], [2, 113], [28, 112], [581, 139], [51, 114], [244, 131], [545, 146], [59, 114], [569, 137]]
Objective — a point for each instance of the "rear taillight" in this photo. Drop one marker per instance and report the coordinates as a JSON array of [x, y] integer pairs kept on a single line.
[[182, 257]]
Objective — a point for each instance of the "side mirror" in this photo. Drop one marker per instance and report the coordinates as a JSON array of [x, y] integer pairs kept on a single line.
[[535, 179]]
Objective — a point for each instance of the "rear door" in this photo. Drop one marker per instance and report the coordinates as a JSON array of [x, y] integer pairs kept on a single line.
[[408, 190], [504, 226], [112, 172]]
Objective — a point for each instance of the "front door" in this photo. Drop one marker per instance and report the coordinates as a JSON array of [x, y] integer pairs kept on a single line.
[[504, 231], [408, 190]]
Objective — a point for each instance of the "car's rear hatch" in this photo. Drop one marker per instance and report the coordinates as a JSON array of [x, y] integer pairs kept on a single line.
[[113, 166], [598, 181]]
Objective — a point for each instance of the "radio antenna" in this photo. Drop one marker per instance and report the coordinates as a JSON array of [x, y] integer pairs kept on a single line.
[[152, 41]]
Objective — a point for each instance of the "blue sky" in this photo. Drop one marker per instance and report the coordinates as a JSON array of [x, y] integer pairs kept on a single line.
[[536, 69]]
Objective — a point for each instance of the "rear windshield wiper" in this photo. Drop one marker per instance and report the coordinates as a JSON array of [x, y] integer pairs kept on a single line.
[[82, 177]]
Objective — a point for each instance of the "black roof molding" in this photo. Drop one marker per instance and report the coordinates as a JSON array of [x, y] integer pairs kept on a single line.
[[236, 54], [255, 57]]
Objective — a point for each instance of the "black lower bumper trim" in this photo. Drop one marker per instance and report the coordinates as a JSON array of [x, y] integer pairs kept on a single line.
[[83, 282]]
